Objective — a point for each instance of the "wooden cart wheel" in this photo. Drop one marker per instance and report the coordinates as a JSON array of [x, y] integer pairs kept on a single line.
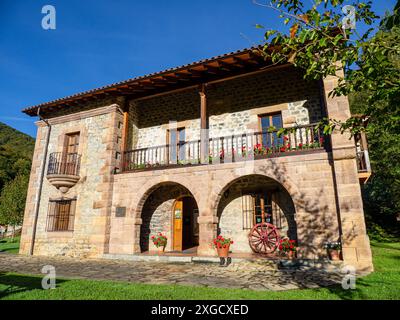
[[264, 238]]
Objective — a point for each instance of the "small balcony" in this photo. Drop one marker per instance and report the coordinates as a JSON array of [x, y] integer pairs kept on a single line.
[[63, 170], [227, 149]]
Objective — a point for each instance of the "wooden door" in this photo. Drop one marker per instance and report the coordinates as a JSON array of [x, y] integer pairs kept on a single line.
[[178, 225], [71, 153], [176, 140]]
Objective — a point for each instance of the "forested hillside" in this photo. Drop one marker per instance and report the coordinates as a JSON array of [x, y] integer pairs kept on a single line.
[[16, 151]]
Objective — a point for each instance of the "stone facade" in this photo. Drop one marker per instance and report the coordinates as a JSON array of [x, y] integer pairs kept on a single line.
[[233, 107], [318, 196]]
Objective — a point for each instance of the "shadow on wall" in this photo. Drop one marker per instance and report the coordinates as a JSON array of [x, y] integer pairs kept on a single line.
[[252, 185], [319, 222], [311, 216]]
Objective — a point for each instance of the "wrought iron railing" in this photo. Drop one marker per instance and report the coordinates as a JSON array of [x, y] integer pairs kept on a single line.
[[227, 149], [64, 164]]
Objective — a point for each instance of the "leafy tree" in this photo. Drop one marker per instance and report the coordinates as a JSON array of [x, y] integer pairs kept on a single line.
[[16, 151], [320, 42], [12, 201], [316, 41]]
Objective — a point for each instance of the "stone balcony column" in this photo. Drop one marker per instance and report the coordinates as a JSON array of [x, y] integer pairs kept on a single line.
[[208, 231], [355, 242]]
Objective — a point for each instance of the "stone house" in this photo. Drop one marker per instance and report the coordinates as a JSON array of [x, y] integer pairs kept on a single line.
[[193, 152]]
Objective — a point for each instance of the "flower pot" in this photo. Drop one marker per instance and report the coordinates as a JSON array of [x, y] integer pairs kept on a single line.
[[334, 254], [223, 252], [291, 255], [161, 249]]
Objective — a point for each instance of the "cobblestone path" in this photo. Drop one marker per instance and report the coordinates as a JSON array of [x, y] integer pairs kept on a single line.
[[264, 275]]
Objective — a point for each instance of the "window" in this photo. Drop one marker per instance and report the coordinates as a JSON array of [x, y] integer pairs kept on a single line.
[[61, 215], [176, 140], [261, 207], [267, 121]]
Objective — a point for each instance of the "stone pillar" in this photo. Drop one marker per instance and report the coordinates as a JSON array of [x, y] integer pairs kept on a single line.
[[111, 139], [136, 235], [204, 136], [355, 241], [208, 231]]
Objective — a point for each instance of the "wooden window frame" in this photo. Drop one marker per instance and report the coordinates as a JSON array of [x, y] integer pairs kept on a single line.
[[67, 144], [178, 129], [270, 115], [272, 137], [249, 204], [61, 215]]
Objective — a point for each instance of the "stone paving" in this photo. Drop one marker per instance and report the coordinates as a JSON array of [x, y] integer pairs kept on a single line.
[[255, 275]]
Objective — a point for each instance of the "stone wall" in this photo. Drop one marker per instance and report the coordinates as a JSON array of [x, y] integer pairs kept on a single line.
[[323, 186], [307, 179], [98, 145], [233, 107], [235, 210]]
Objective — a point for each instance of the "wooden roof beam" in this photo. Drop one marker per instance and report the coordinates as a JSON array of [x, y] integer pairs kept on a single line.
[[243, 62], [213, 70]]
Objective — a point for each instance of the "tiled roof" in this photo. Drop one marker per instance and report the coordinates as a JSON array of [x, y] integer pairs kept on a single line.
[[229, 59]]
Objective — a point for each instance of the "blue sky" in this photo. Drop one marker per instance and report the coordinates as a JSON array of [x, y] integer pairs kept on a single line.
[[98, 42]]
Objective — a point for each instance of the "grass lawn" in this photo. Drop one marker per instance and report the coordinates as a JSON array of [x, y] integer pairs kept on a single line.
[[9, 246], [384, 283]]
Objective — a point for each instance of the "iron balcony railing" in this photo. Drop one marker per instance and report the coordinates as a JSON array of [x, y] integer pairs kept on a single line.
[[227, 149], [64, 164]]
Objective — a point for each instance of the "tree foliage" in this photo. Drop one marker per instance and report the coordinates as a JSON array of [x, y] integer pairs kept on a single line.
[[16, 151], [316, 41], [319, 42], [12, 201]]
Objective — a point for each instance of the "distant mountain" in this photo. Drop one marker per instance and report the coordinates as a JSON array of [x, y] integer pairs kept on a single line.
[[16, 152]]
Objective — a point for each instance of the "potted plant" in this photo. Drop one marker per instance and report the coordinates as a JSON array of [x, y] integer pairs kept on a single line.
[[288, 247], [222, 245], [160, 241], [334, 249]]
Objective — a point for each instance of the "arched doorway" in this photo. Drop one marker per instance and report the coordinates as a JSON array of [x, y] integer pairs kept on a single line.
[[171, 209], [250, 200]]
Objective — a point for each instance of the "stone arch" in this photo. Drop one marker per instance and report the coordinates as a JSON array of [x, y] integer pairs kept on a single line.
[[235, 220], [155, 210], [149, 187]]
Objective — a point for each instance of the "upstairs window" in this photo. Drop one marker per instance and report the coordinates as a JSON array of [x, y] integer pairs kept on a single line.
[[265, 122], [176, 140], [72, 143], [61, 215]]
